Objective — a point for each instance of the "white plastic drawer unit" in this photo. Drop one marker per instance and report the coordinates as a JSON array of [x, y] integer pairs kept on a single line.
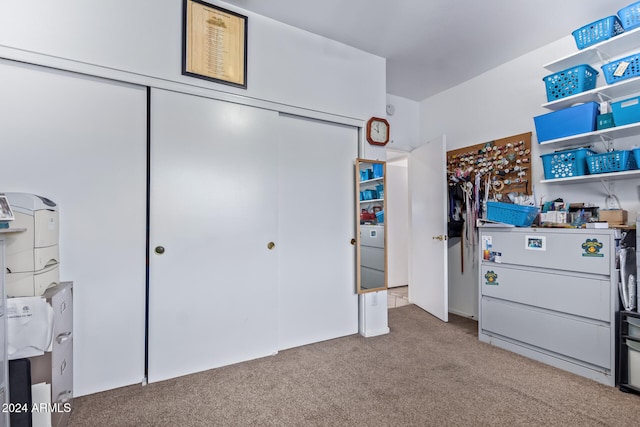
[[584, 251], [551, 290]]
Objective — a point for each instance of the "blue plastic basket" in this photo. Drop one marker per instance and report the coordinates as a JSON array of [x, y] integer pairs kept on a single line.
[[636, 155], [380, 217], [622, 69], [630, 16], [598, 31], [520, 216], [570, 82], [569, 121], [613, 161], [626, 112], [566, 164]]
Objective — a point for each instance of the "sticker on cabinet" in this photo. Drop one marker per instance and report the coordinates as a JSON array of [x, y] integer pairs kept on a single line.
[[535, 243], [592, 248], [491, 278]]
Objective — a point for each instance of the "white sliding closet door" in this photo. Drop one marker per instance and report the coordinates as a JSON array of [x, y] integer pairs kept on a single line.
[[316, 224], [213, 292], [81, 141]]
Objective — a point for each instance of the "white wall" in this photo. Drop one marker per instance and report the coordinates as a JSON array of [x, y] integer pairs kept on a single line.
[[140, 42], [285, 65]]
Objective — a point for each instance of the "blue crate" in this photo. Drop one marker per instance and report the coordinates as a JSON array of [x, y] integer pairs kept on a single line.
[[566, 164], [622, 69], [569, 121], [520, 216], [570, 82], [380, 217], [626, 112], [630, 16], [380, 191], [366, 174], [636, 155], [612, 161], [370, 194], [598, 31], [377, 170]]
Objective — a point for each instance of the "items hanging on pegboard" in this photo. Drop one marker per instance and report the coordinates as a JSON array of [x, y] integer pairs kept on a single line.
[[497, 170]]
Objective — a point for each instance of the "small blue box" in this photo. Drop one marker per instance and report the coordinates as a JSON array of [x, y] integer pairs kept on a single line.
[[626, 112], [366, 174], [570, 121], [380, 217]]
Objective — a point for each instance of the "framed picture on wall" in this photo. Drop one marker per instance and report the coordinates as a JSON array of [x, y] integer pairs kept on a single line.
[[6, 214], [214, 44]]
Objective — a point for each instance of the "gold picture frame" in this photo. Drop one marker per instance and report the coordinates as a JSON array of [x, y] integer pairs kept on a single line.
[[214, 44]]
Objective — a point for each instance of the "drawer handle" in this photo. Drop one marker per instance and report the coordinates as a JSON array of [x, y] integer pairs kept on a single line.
[[65, 336], [64, 396]]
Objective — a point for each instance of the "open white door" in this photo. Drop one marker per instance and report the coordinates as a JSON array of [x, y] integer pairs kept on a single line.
[[428, 281]]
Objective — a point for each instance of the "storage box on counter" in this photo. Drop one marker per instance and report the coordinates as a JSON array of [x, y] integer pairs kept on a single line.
[[569, 121], [613, 216]]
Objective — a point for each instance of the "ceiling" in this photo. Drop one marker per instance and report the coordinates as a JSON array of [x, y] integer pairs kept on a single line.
[[433, 45]]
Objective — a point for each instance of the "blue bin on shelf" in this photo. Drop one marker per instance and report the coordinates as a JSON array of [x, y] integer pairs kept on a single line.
[[566, 164], [380, 217], [598, 31], [630, 16], [626, 112], [377, 170], [569, 82], [570, 121]]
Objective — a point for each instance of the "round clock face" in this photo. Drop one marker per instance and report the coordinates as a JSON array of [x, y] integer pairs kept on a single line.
[[378, 131]]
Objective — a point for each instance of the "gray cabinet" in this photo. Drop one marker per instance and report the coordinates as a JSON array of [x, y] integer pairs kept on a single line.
[[552, 297], [55, 367]]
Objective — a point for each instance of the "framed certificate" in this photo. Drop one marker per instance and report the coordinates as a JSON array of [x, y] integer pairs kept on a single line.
[[214, 44]]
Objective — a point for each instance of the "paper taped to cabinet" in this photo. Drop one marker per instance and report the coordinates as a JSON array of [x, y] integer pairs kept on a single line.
[[29, 327]]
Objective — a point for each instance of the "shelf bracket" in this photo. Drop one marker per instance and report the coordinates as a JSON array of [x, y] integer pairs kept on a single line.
[[601, 56], [607, 142]]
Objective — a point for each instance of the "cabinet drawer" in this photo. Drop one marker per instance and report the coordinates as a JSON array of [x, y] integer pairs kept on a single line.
[[372, 257], [584, 251], [581, 296], [577, 339], [61, 299]]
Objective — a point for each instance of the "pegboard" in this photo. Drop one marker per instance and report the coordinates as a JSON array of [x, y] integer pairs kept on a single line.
[[505, 162]]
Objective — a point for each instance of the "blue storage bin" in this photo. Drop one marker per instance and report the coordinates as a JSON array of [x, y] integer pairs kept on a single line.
[[520, 216], [566, 164], [377, 170], [570, 82], [366, 174], [612, 161], [626, 112], [598, 31], [605, 121], [622, 69], [636, 155], [630, 16], [380, 217], [370, 194], [570, 121], [380, 191]]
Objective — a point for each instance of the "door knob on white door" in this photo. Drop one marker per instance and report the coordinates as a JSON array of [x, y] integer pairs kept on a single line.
[[271, 245], [441, 237], [159, 250]]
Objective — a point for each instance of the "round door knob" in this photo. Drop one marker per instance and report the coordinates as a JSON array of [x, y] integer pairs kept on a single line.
[[271, 245], [353, 241], [159, 250]]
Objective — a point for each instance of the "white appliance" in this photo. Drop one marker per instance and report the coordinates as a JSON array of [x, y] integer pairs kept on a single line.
[[32, 257]]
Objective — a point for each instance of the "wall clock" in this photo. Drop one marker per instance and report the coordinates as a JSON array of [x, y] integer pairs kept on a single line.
[[377, 131]]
